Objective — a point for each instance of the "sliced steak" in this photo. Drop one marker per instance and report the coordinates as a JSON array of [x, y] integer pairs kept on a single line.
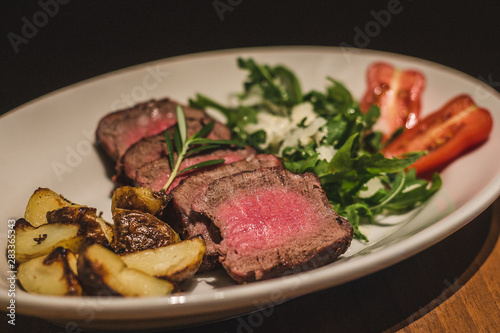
[[117, 131], [152, 148], [189, 223], [154, 175], [273, 223]]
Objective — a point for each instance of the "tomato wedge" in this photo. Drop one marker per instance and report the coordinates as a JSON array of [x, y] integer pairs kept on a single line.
[[445, 134], [397, 93]]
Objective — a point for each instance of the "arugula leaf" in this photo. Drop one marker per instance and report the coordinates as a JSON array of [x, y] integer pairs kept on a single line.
[[354, 213], [415, 192], [343, 160], [277, 85], [334, 131], [336, 100], [290, 84], [300, 161], [397, 188], [347, 173]]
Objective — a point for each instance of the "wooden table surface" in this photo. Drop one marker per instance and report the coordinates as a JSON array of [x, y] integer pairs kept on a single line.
[[454, 286]]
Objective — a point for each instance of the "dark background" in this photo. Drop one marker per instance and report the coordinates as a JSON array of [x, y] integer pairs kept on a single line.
[[87, 38]]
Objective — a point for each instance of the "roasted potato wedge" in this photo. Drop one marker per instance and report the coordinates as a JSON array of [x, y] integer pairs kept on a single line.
[[43, 200], [140, 198], [175, 263], [34, 242], [54, 274], [137, 231], [106, 228], [102, 272], [96, 229]]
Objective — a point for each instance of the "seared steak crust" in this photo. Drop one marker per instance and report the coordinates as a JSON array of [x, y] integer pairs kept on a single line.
[[118, 130]]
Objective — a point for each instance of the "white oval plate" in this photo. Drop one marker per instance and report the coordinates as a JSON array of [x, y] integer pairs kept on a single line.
[[49, 143]]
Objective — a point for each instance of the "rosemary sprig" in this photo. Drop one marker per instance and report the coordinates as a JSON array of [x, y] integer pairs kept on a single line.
[[183, 146]]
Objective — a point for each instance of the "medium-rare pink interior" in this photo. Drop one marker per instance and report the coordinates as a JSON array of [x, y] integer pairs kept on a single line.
[[266, 219]]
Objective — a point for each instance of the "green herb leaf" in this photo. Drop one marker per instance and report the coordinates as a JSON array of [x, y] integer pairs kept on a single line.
[[178, 140], [205, 130], [354, 213], [170, 149], [181, 122], [237, 118], [396, 189], [290, 84], [201, 141], [342, 160], [415, 192], [378, 163], [278, 87], [196, 150], [183, 146], [202, 164]]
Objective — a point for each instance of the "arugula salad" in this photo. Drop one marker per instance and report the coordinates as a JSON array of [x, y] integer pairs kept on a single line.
[[326, 133]]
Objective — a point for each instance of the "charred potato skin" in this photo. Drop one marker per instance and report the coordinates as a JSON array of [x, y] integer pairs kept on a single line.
[[68, 260], [87, 217], [141, 199], [135, 231], [93, 276], [54, 274], [100, 270]]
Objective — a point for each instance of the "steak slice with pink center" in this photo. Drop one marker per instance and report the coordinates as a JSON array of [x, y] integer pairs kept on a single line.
[[152, 148], [154, 175], [273, 223], [118, 130], [189, 223]]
